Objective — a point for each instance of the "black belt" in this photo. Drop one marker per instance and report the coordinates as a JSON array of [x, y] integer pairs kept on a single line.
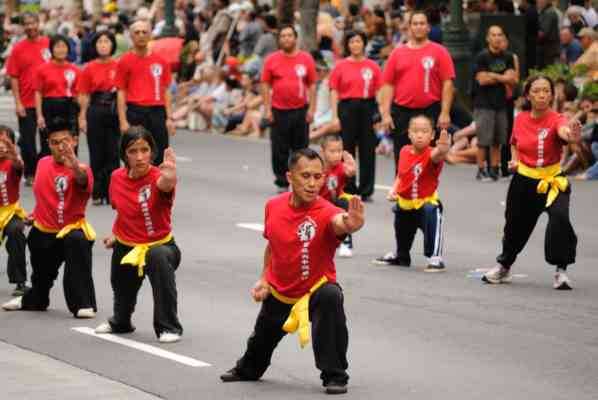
[[103, 98]]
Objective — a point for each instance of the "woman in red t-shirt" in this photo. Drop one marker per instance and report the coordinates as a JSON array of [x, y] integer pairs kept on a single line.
[[55, 84], [354, 82], [538, 185], [98, 117], [142, 241]]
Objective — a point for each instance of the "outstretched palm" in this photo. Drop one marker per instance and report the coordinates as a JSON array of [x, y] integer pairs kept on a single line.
[[355, 213], [168, 166]]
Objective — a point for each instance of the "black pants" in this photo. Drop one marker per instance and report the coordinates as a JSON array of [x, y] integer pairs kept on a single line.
[[47, 254], [289, 133], [102, 139], [524, 207], [58, 107], [344, 204], [15, 247], [505, 151], [27, 141], [154, 120], [329, 335], [161, 262], [357, 132], [401, 116], [407, 222]]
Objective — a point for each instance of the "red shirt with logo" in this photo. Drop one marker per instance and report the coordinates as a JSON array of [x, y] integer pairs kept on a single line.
[[57, 80], [334, 182], [98, 77], [59, 200], [10, 180], [356, 79], [418, 174], [290, 78], [145, 79], [24, 59], [143, 212], [537, 140], [417, 74], [302, 243]]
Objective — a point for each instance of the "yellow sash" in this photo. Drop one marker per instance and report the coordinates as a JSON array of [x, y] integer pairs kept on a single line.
[[549, 178], [9, 211], [136, 256], [88, 231], [298, 319], [416, 204], [346, 196]]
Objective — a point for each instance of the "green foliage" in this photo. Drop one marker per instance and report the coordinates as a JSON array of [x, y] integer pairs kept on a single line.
[[562, 72], [590, 90]]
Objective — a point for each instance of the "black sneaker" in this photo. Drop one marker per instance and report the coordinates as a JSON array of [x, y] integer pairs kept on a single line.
[[29, 181], [493, 174], [232, 375], [482, 175], [336, 388], [20, 290], [391, 259]]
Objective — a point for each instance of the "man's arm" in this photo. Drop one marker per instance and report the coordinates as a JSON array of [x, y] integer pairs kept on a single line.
[[351, 221], [14, 86], [261, 289], [311, 98], [84, 105], [267, 96], [41, 122], [446, 102], [386, 94], [170, 126], [121, 104]]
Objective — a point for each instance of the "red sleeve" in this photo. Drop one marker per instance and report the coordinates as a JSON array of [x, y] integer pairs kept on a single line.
[[333, 80], [389, 69], [13, 66], [38, 80], [167, 75], [266, 213], [84, 81], [267, 72], [122, 74], [516, 127], [446, 67], [312, 76]]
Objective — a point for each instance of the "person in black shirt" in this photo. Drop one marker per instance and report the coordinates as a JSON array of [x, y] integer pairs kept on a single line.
[[494, 70]]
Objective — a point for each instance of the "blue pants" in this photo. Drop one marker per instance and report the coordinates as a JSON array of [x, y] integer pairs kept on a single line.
[[429, 220]]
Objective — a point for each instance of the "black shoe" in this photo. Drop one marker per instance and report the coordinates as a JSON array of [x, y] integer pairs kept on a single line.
[[367, 199], [232, 375], [391, 259], [20, 290], [336, 388], [435, 268], [493, 174], [29, 181], [482, 175]]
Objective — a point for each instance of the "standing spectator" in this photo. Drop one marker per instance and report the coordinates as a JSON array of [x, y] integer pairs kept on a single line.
[[528, 8], [589, 58], [142, 79], [289, 92], [249, 35], [494, 70], [571, 49], [266, 44], [548, 34], [25, 57], [575, 19], [419, 76]]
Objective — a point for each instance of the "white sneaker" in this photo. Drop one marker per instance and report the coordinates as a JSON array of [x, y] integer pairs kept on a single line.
[[561, 281], [169, 337], [345, 251], [498, 274], [103, 328], [86, 313], [13, 305]]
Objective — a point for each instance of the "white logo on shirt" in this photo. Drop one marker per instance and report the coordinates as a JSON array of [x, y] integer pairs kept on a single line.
[[69, 75], [301, 72], [306, 232], [61, 184], [46, 55], [542, 135], [156, 70], [417, 171], [428, 63], [3, 188], [367, 74], [145, 192]]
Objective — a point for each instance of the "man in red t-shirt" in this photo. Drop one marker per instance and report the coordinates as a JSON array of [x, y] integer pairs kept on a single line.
[[60, 233], [303, 231], [289, 91], [419, 76], [24, 59], [142, 79]]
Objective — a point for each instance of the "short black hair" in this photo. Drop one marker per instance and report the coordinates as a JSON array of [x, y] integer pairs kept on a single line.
[[9, 132], [350, 35], [421, 116], [288, 26], [29, 14], [59, 124], [527, 105], [133, 134], [418, 12], [55, 39], [97, 36], [271, 21], [330, 138], [307, 153]]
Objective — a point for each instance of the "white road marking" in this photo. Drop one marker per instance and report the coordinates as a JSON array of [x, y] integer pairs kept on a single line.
[[382, 187], [253, 227], [143, 347], [183, 159]]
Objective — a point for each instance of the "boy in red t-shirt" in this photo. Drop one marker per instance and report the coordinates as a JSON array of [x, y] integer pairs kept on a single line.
[[414, 191], [338, 166], [11, 214]]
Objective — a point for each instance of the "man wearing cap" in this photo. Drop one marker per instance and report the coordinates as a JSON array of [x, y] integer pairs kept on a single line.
[[587, 38], [142, 79]]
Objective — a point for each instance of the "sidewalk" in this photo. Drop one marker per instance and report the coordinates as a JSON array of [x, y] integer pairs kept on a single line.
[[26, 375]]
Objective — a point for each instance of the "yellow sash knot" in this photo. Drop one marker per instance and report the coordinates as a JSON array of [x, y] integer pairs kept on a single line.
[[416, 204], [550, 180], [298, 319], [136, 256]]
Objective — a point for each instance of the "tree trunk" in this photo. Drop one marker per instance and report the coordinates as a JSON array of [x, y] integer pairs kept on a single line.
[[286, 11], [309, 23]]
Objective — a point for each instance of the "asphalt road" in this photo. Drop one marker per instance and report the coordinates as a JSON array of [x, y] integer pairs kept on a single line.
[[412, 335]]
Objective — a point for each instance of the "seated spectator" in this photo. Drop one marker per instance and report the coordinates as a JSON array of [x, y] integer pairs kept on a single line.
[[465, 146], [323, 124], [589, 58], [214, 111], [576, 20], [571, 49], [246, 115]]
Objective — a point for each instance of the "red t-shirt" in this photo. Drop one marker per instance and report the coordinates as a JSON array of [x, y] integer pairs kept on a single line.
[[57, 80], [10, 180], [418, 174], [145, 79], [537, 140], [290, 78], [142, 211], [417, 74], [24, 59], [356, 79], [98, 77], [334, 182], [59, 200], [302, 244]]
